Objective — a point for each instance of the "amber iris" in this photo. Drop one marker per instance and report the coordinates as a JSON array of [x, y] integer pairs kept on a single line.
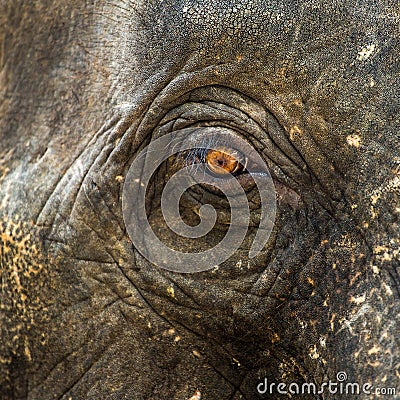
[[223, 161]]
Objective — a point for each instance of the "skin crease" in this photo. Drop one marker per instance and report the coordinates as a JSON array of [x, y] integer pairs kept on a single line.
[[312, 85]]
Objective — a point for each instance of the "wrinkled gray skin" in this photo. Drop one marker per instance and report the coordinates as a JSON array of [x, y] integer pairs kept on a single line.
[[313, 85]]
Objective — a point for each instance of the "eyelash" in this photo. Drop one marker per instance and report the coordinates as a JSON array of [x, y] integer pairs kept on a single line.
[[196, 155], [201, 151]]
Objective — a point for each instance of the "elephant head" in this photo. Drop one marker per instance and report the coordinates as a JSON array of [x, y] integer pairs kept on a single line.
[[309, 88]]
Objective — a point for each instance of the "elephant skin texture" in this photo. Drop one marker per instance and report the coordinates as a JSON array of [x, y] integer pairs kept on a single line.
[[313, 86]]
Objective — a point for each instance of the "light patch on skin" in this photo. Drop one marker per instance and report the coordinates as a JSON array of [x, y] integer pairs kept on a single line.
[[332, 322], [283, 370], [388, 289], [303, 325], [322, 341], [374, 364], [171, 292], [196, 354], [375, 198], [138, 181], [374, 214], [374, 350], [19, 248], [375, 269], [345, 323], [295, 132], [6, 198], [275, 338], [313, 353], [310, 281], [346, 242], [388, 253], [354, 278], [366, 52], [298, 103], [27, 351], [358, 300], [236, 361], [371, 82], [3, 172], [215, 269], [196, 396], [4, 157], [354, 141], [392, 186], [17, 281], [169, 332], [21, 264]]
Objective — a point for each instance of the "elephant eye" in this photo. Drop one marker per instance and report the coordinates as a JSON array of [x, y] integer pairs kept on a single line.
[[216, 159], [223, 161]]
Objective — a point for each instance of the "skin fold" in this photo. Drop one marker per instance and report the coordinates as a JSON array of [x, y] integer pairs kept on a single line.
[[313, 86]]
